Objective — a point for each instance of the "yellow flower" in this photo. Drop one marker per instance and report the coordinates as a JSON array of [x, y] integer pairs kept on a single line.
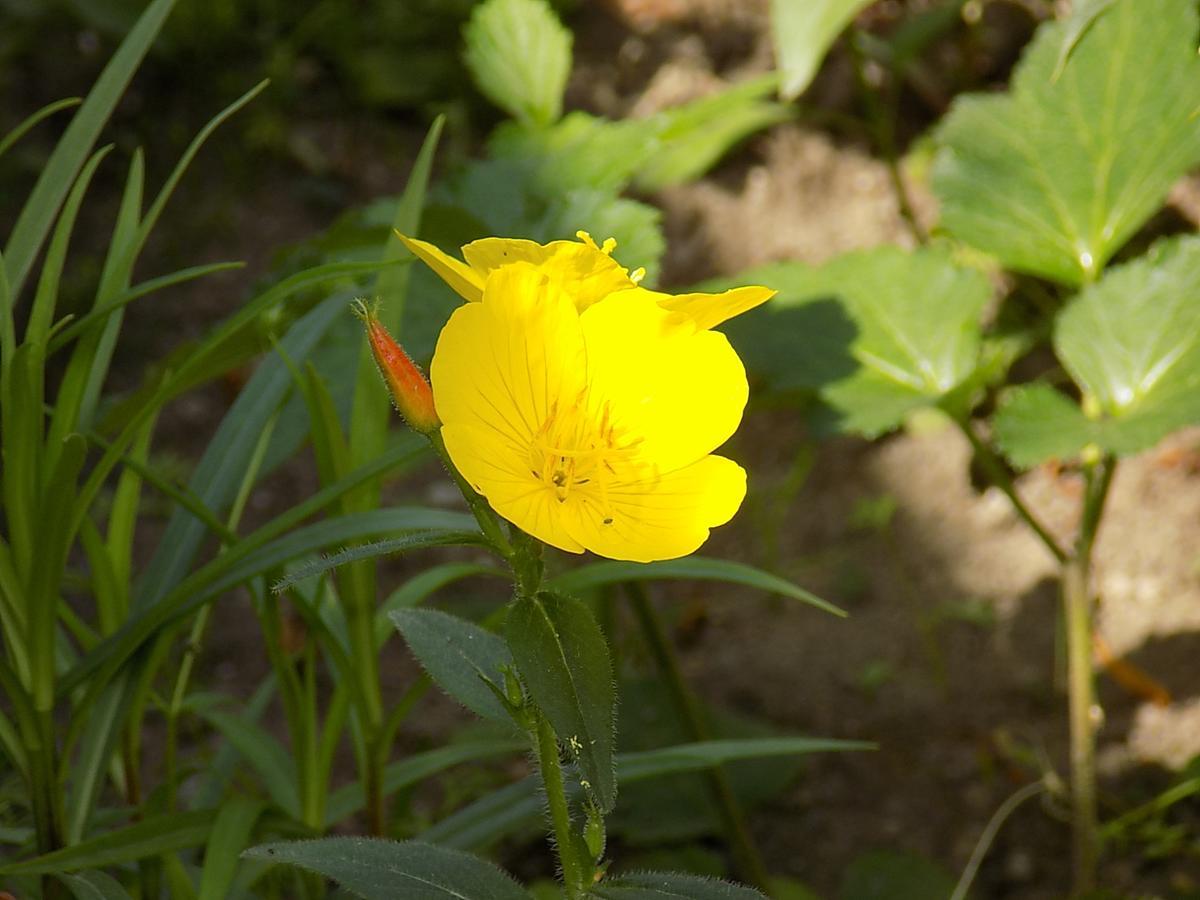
[[583, 407]]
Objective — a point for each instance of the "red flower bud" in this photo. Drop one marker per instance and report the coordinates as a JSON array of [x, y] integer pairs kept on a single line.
[[406, 383]]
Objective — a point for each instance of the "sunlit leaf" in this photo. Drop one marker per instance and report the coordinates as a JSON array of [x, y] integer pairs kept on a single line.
[[803, 31], [1055, 176]]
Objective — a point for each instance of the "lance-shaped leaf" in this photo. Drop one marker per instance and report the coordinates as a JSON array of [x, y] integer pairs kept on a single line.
[[803, 31], [459, 656], [877, 333], [563, 658], [671, 886], [384, 870], [1055, 176]]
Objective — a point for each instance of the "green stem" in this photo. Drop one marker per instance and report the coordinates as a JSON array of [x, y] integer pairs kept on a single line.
[[998, 474], [745, 851], [550, 766], [487, 520], [175, 707]]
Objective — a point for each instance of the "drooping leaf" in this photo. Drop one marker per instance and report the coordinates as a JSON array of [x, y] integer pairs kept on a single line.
[[1132, 344], [803, 30], [670, 886], [384, 870], [1055, 176], [698, 568], [520, 56], [458, 655], [563, 659]]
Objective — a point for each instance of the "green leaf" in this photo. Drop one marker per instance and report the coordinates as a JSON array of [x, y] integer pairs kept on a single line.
[[348, 800], [231, 833], [563, 659], [887, 875], [878, 333], [383, 870], [93, 886], [1083, 16], [421, 540], [803, 31], [1132, 344], [34, 120], [458, 655], [1035, 423], [152, 836], [1054, 177], [512, 807], [520, 56], [670, 886], [264, 753], [418, 588], [697, 568], [57, 176]]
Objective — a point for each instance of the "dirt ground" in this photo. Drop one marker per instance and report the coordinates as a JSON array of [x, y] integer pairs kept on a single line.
[[950, 659]]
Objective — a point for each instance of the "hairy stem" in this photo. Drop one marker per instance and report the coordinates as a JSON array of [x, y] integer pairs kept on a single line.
[[550, 766], [745, 851]]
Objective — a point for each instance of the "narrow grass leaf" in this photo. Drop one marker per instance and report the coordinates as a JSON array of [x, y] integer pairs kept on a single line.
[[262, 751], [695, 568], [670, 886], [422, 585], [383, 870], [93, 886], [34, 120], [231, 834]]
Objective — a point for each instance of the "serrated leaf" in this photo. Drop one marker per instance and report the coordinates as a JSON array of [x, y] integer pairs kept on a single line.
[[563, 659], [803, 31], [887, 875], [698, 568], [877, 333], [383, 870], [671, 886], [520, 56], [458, 655], [1054, 177], [1035, 423], [1132, 344]]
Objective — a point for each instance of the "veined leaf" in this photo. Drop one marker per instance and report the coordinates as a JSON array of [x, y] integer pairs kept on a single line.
[[384, 870], [1035, 423], [670, 886], [803, 31], [1054, 177], [1132, 344], [697, 568], [520, 55], [564, 662], [458, 655]]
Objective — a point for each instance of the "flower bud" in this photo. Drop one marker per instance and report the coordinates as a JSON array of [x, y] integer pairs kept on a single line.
[[406, 383]]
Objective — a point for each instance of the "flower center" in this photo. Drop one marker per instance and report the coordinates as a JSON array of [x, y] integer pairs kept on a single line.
[[576, 449]]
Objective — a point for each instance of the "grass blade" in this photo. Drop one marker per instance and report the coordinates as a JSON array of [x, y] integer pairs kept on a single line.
[[34, 120]]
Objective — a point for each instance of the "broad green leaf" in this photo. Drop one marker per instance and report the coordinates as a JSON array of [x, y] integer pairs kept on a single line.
[[93, 886], [1083, 16], [877, 333], [231, 832], [520, 56], [1132, 344], [384, 870], [151, 836], [348, 800], [458, 655], [517, 805], [57, 176], [1055, 176], [803, 31], [1035, 423], [670, 886], [563, 659], [888, 875], [697, 568]]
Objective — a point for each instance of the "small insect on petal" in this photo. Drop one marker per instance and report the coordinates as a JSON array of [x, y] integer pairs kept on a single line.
[[406, 383]]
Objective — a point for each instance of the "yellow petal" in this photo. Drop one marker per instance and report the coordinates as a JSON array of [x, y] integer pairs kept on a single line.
[[709, 310], [500, 471], [660, 517], [678, 391], [583, 270], [465, 282]]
